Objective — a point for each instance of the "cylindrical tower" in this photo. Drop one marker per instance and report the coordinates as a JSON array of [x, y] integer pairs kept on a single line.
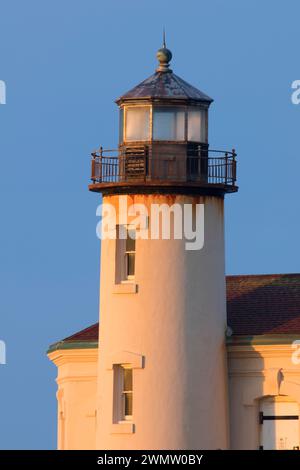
[[162, 358]]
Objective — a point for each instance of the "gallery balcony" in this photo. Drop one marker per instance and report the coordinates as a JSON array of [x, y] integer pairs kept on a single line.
[[147, 168]]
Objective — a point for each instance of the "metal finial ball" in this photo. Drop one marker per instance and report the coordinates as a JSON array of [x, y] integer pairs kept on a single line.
[[164, 55]]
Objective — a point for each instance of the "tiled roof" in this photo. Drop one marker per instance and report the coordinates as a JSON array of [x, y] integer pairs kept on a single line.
[[256, 305], [84, 339], [88, 334], [264, 304]]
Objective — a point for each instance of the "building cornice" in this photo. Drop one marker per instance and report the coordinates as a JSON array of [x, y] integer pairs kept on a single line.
[[67, 356], [72, 345], [275, 339]]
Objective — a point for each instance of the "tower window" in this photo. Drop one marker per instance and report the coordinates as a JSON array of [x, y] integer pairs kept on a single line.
[[123, 393], [130, 254], [125, 253], [127, 393]]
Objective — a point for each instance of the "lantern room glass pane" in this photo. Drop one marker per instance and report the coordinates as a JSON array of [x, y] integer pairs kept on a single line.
[[168, 124], [137, 123], [196, 125], [121, 125]]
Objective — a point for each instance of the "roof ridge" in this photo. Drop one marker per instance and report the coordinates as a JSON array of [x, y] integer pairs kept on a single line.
[[262, 275]]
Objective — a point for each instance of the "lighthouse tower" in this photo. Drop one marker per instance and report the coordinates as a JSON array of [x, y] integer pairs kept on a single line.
[[162, 377]]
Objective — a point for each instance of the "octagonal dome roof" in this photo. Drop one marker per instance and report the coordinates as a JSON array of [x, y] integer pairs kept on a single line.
[[164, 85]]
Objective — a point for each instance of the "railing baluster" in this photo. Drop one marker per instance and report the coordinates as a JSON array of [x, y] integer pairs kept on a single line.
[[93, 164], [226, 162], [100, 163]]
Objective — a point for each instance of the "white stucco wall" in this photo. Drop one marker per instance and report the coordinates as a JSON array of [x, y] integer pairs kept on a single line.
[[76, 397], [256, 372], [176, 322]]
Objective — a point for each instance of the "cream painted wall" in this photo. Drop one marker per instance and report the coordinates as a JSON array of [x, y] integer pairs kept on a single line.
[[176, 321], [76, 396], [255, 372]]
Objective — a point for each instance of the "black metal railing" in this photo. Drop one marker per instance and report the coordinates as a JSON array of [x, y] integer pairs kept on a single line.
[[130, 164]]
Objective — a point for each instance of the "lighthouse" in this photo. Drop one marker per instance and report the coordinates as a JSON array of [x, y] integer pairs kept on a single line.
[[162, 372]]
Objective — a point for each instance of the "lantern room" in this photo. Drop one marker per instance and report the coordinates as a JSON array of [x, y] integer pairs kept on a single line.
[[162, 122], [163, 139]]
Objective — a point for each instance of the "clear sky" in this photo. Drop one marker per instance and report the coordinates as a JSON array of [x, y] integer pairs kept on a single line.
[[64, 63]]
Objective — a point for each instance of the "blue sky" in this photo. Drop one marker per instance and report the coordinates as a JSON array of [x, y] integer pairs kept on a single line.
[[64, 63]]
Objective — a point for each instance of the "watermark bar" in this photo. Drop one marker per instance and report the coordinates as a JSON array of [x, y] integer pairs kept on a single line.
[[133, 459]]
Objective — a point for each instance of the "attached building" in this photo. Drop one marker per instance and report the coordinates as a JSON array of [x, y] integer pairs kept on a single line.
[[263, 339]]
